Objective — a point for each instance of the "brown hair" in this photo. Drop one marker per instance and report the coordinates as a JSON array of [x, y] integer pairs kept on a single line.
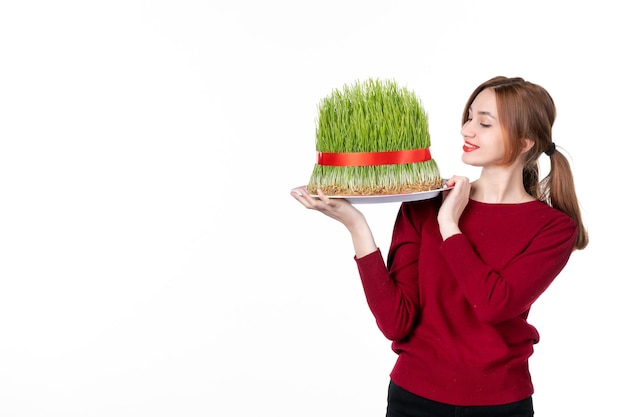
[[527, 111]]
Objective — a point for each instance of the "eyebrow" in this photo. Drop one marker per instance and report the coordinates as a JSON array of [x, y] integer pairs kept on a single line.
[[485, 113]]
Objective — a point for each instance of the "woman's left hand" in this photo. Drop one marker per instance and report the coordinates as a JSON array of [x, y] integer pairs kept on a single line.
[[454, 203]]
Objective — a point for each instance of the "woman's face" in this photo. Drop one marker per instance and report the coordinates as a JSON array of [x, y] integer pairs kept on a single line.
[[482, 135]]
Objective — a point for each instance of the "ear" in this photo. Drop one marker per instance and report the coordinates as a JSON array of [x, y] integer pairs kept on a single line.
[[528, 144]]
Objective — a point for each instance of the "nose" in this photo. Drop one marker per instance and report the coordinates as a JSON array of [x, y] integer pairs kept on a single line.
[[467, 131]]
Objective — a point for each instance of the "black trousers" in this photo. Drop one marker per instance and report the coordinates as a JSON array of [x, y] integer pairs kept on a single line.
[[402, 403]]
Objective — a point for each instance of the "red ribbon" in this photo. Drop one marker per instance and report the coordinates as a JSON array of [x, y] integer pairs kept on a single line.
[[373, 158]]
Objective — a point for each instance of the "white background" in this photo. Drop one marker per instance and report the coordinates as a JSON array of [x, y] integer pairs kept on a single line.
[[152, 261]]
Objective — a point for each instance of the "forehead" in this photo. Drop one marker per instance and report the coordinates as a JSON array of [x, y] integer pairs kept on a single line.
[[485, 101]]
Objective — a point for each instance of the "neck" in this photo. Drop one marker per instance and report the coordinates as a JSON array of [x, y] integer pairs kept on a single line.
[[501, 185]]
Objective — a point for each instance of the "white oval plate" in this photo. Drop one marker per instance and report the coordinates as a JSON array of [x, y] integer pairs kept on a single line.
[[386, 198]]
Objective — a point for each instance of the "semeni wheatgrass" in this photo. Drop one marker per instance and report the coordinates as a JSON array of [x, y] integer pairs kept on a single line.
[[372, 116]]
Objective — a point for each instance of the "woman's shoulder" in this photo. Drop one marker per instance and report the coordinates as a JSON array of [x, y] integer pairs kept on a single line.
[[544, 210], [533, 214], [422, 205], [421, 210]]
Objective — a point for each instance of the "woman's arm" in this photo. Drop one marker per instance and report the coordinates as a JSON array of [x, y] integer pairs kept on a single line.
[[345, 213]]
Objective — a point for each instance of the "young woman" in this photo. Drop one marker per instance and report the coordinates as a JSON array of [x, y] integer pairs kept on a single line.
[[463, 269]]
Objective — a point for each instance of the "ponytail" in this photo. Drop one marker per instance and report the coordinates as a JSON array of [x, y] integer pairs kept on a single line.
[[557, 190]]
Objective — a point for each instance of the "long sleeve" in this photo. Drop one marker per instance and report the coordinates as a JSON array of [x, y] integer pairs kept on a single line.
[[392, 290], [497, 290]]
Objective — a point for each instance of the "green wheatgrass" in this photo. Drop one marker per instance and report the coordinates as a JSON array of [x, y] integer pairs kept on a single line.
[[373, 116]]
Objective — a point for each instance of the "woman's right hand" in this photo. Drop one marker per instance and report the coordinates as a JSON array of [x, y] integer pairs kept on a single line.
[[336, 208], [344, 212]]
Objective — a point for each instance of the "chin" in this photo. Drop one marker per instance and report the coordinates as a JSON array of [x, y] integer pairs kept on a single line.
[[467, 159]]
